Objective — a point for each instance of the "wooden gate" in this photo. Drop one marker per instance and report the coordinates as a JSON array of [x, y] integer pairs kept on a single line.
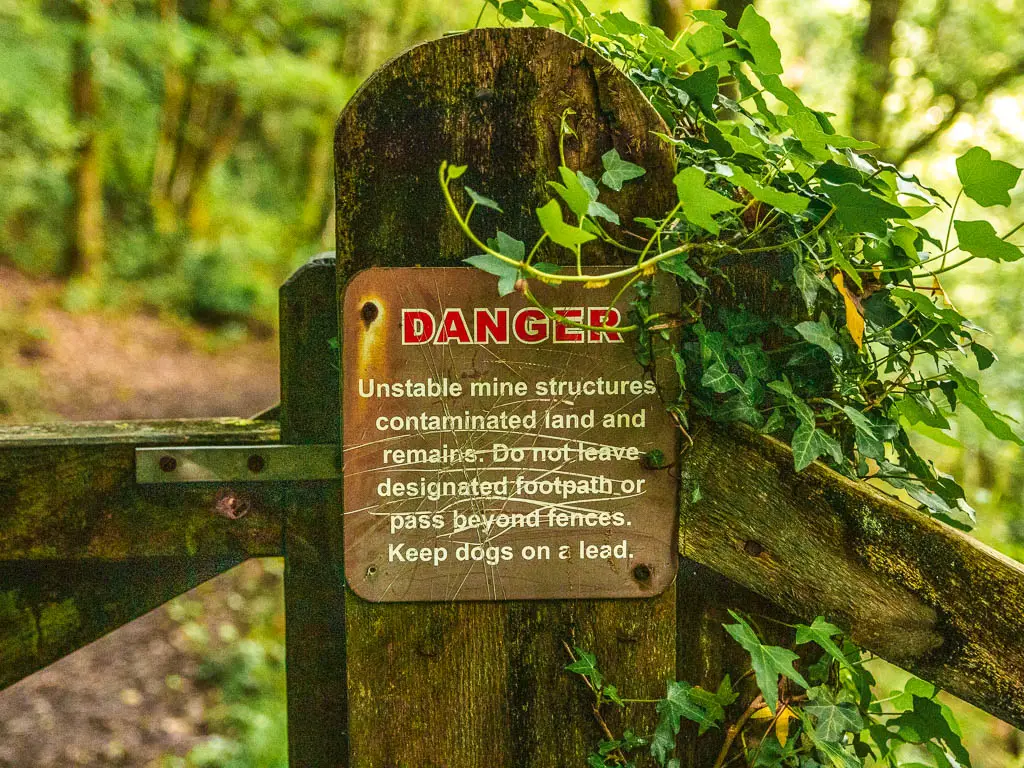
[[86, 547]]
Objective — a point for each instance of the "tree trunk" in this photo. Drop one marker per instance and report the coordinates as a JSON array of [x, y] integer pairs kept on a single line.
[[669, 15], [86, 252], [873, 76]]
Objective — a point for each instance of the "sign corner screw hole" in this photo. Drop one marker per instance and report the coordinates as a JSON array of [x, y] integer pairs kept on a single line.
[[369, 313]]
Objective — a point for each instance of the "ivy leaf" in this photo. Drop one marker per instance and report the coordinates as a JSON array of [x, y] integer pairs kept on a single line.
[[969, 393], [598, 210], [861, 211], [854, 315], [677, 265], [678, 703], [807, 128], [788, 202], [700, 204], [834, 718], [979, 238], [719, 379], [767, 661], [618, 171], [550, 216], [506, 273], [810, 443], [479, 199], [821, 335], [870, 434], [984, 356], [927, 722], [576, 196], [807, 282], [454, 171], [986, 181], [803, 410], [836, 754], [702, 86], [586, 665], [714, 704], [757, 33], [822, 632]]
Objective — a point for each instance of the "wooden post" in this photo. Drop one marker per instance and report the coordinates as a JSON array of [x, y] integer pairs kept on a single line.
[[314, 586], [472, 685]]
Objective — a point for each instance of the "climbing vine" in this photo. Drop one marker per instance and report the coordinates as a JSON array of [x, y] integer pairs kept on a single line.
[[863, 348]]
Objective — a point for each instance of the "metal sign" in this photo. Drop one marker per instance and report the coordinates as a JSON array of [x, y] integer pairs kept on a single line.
[[491, 453]]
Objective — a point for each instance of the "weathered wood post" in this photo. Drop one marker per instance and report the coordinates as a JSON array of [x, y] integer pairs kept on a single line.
[[481, 684]]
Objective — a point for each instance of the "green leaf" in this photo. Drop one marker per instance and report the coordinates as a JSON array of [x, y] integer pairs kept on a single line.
[[700, 204], [702, 86], [822, 632], [833, 717], [788, 202], [719, 379], [550, 216], [803, 411], [979, 238], [859, 210], [808, 283], [618, 171], [768, 661], [714, 704], [806, 127], [598, 210], [928, 722], [757, 32], [454, 171], [479, 199], [810, 443], [872, 432], [983, 355], [986, 181], [586, 665], [678, 703], [837, 755], [969, 393], [677, 265], [507, 273], [821, 335], [572, 191]]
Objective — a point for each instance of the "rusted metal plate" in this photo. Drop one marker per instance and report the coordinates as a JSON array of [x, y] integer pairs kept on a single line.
[[491, 454]]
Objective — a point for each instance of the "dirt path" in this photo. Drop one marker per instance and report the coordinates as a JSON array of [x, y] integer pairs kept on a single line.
[[128, 698]]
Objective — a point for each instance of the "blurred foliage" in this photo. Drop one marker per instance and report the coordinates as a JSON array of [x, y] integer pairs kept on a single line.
[[214, 123], [235, 627]]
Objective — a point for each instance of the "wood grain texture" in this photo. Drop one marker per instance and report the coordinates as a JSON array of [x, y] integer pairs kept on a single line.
[[68, 492], [314, 585], [48, 610], [913, 590], [482, 685]]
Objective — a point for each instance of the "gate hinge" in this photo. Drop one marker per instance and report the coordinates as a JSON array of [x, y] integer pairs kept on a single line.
[[237, 463]]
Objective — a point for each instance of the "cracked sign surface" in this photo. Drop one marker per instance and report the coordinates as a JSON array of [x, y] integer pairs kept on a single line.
[[492, 454]]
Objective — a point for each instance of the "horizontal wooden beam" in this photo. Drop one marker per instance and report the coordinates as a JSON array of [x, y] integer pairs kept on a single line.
[[68, 493], [912, 590], [48, 610]]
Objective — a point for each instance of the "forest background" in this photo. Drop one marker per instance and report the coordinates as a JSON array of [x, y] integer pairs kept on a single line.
[[166, 164]]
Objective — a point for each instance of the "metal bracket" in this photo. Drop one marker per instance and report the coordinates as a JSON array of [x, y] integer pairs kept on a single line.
[[237, 463]]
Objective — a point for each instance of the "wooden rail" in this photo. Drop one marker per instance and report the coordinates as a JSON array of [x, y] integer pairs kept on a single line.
[[913, 590]]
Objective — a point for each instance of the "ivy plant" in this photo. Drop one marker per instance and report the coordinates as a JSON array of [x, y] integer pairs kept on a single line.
[[864, 348], [870, 347], [825, 716]]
